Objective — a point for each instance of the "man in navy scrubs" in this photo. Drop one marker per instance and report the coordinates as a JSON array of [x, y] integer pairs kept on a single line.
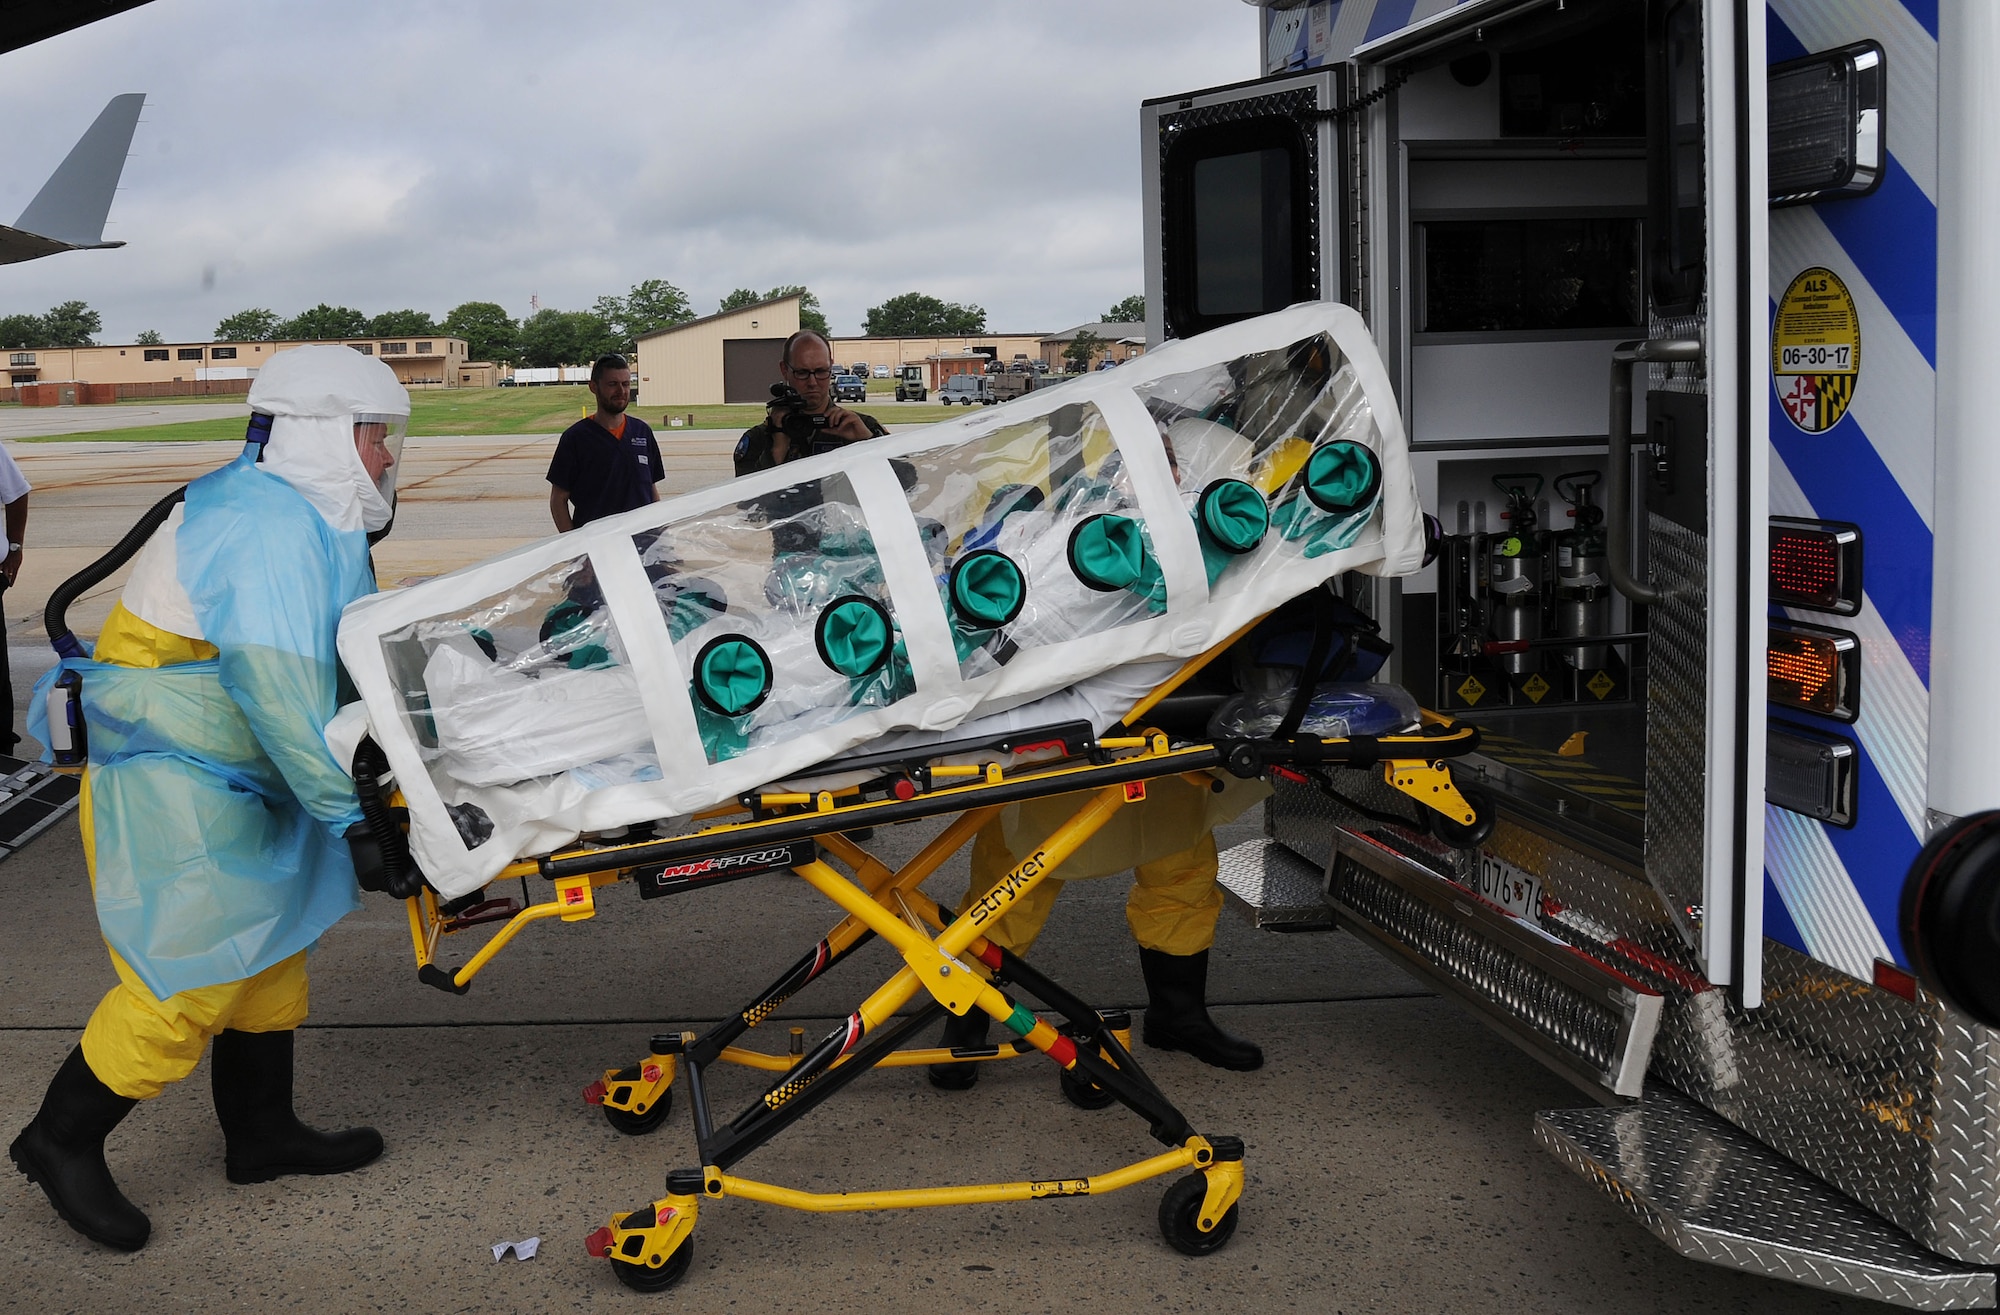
[[608, 463]]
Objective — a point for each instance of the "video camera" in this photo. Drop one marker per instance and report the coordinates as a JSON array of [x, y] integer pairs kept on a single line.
[[800, 425]]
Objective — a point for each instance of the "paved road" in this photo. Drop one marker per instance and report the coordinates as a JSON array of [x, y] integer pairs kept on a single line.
[[35, 421], [1391, 1167]]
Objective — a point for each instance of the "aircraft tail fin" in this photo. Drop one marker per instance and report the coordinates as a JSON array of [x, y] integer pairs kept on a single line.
[[73, 203]]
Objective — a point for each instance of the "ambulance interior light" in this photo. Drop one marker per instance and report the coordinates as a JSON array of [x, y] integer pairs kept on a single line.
[[1816, 565]]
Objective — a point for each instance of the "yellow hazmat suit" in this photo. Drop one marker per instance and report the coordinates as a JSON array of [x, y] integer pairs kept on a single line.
[[136, 1042], [1167, 842], [218, 828]]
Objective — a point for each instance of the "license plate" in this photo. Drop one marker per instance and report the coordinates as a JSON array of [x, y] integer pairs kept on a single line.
[[1512, 889]]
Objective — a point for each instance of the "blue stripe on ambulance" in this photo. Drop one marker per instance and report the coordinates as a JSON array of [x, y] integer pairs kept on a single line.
[[1844, 478], [1388, 16], [1778, 924], [1892, 236], [1890, 240]]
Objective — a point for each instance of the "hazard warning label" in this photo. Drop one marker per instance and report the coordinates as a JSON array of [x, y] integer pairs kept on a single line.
[[1816, 350]]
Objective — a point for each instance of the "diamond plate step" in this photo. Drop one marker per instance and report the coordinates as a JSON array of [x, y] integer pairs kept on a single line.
[[1274, 888], [1583, 1018], [33, 798], [1713, 1193]]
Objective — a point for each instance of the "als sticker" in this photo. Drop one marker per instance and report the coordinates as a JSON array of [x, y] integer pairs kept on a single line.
[[1816, 350]]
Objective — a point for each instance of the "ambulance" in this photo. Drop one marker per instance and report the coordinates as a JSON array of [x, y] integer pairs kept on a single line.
[[1689, 308]]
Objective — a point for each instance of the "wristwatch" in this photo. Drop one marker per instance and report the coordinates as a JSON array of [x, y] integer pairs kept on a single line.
[[12, 548]]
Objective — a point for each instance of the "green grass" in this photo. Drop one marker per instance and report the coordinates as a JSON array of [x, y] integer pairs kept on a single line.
[[543, 410], [192, 431]]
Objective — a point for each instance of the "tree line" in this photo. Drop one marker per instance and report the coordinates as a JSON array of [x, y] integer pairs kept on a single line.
[[546, 337], [72, 324]]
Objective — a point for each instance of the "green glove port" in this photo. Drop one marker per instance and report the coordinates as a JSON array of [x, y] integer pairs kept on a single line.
[[853, 636], [732, 674], [1342, 477], [1107, 552], [987, 589], [1233, 516]]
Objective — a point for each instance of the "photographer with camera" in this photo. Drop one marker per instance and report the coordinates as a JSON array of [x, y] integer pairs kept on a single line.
[[802, 420]]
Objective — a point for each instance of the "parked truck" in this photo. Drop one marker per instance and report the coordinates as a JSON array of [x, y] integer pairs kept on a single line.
[[968, 388], [1010, 384], [551, 374], [1734, 673]]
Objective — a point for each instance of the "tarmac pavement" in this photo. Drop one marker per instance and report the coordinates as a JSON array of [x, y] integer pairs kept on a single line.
[[37, 421], [1390, 1162]]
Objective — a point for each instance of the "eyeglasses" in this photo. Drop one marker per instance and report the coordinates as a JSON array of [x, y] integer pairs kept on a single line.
[[822, 373]]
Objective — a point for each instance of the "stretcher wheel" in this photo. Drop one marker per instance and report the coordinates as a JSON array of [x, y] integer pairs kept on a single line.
[[638, 1125], [1458, 834], [644, 1278], [1180, 1219], [1081, 1092]]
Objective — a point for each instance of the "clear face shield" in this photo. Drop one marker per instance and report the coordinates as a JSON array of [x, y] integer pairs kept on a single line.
[[378, 440]]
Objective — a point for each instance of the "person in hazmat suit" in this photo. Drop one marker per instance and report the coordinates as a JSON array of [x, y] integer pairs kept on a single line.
[[222, 837]]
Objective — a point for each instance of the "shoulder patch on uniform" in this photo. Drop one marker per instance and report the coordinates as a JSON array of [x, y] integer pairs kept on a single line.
[[743, 447]]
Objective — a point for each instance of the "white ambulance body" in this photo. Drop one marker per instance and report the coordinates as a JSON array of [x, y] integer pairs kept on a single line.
[[1686, 304]]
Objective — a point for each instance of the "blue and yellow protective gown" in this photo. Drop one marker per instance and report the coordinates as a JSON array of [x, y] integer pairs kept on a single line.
[[212, 811]]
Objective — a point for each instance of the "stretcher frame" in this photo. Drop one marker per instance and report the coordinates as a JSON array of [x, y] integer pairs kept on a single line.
[[946, 959]]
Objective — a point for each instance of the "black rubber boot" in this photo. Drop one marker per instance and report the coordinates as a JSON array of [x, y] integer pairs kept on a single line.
[[1177, 1012], [251, 1077], [62, 1152], [961, 1032]]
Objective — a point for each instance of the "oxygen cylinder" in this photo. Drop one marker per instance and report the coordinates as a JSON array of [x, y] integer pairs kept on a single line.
[[1514, 569], [1583, 592]]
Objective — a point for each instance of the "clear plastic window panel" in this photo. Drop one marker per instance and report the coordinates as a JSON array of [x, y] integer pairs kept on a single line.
[[529, 684], [1273, 453], [1034, 536], [779, 613]]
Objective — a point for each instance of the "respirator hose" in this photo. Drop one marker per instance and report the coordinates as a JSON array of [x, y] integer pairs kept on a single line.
[[370, 766], [53, 618]]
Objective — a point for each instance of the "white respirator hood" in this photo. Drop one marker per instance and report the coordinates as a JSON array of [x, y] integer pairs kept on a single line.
[[314, 395]]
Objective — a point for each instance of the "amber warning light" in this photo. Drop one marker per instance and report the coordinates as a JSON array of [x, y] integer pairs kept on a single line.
[[1816, 565], [1814, 669]]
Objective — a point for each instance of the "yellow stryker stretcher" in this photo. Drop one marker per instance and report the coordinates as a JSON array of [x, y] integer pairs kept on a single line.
[[948, 964]]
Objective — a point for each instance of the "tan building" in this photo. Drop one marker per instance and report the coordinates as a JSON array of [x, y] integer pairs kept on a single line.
[[482, 374], [1121, 342], [730, 357], [893, 352], [431, 362]]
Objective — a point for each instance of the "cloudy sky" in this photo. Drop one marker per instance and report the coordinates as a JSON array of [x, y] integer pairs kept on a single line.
[[390, 154]]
